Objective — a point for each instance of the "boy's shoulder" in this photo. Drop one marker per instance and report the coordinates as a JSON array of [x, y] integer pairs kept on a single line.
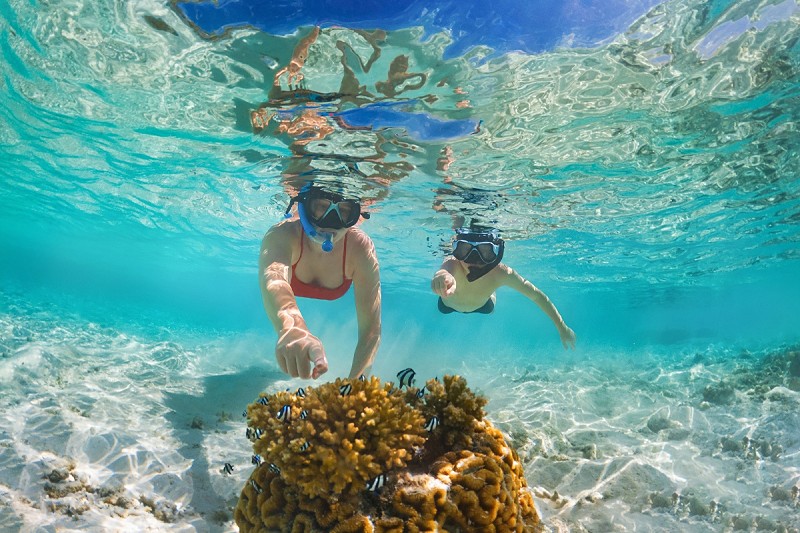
[[503, 269], [503, 274]]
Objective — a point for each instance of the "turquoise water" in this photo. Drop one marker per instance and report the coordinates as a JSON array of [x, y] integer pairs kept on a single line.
[[647, 182]]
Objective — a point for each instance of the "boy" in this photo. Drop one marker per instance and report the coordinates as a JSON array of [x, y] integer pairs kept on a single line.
[[468, 279]]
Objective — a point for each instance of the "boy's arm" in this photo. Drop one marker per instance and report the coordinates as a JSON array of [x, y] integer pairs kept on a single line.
[[517, 282], [367, 282], [296, 347], [443, 282]]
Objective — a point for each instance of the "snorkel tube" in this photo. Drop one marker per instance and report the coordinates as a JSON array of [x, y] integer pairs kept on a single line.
[[324, 239]]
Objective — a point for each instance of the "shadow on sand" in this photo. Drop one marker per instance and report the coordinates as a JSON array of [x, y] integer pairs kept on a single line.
[[218, 408]]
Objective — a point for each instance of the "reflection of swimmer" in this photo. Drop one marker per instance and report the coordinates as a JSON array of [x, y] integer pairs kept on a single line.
[[298, 60], [398, 75], [468, 279], [418, 126], [307, 127], [319, 255]]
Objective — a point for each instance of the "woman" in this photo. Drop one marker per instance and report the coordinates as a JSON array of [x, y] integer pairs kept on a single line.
[[319, 255]]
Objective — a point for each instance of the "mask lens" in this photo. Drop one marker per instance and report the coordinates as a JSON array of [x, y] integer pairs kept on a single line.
[[317, 207], [486, 251], [481, 252], [461, 250], [349, 212], [326, 213]]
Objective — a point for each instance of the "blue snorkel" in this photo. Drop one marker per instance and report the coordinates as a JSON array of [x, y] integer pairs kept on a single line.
[[324, 239], [327, 243], [318, 207]]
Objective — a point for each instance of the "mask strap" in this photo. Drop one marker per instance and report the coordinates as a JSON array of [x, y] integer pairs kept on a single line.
[[288, 213]]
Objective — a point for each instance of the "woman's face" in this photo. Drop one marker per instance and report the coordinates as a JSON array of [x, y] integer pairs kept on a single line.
[[328, 214], [337, 234]]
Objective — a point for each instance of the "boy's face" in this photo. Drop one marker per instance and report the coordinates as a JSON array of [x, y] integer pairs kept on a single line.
[[475, 253]]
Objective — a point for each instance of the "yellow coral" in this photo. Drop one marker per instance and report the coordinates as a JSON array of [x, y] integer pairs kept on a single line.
[[457, 408], [462, 477], [351, 438]]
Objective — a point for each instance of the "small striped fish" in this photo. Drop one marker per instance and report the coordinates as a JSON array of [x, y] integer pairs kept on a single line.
[[285, 413], [432, 424], [377, 483], [406, 377]]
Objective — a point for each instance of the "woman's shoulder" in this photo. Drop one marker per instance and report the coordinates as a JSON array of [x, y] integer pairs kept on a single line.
[[360, 245], [359, 239], [284, 231]]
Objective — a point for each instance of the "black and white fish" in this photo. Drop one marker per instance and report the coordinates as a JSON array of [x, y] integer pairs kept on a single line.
[[377, 483], [303, 414], [406, 377], [256, 459], [362, 377], [274, 469], [244, 413], [256, 486], [285, 413], [263, 400], [345, 389], [301, 392], [421, 392], [228, 468], [306, 445], [432, 424], [248, 433]]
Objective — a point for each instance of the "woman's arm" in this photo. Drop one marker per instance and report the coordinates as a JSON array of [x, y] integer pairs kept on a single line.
[[296, 348], [517, 282], [367, 282]]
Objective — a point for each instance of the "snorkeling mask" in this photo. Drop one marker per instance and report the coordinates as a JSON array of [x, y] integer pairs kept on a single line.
[[481, 250], [318, 208]]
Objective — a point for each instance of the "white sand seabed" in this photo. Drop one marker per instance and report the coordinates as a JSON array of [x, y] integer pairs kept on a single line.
[[104, 432], [101, 431]]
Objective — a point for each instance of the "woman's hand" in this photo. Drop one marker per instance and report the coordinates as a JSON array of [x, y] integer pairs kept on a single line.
[[296, 350]]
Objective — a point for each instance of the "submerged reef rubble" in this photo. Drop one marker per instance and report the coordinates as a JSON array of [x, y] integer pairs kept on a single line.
[[367, 456]]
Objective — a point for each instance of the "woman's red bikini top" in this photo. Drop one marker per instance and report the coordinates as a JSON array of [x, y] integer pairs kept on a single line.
[[307, 290]]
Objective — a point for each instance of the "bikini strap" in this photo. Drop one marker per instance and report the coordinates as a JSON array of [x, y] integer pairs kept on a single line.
[[344, 256], [302, 234]]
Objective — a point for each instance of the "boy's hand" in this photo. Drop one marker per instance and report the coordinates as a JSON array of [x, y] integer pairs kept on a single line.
[[443, 283], [568, 337]]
